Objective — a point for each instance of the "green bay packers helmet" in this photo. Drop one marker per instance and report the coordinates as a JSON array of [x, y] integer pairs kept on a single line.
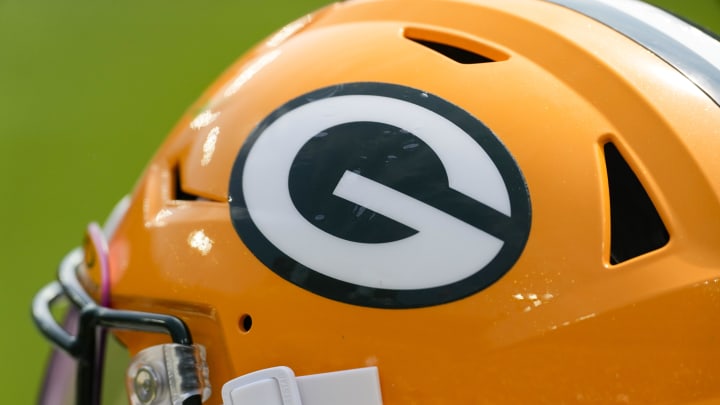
[[419, 202]]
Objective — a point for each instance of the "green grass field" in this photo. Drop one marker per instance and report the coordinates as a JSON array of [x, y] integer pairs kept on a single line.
[[88, 90]]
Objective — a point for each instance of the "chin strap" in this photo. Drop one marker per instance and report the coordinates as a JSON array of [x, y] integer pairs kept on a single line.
[[279, 386]]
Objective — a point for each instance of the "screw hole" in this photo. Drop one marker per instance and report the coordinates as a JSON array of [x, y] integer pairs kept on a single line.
[[245, 323]]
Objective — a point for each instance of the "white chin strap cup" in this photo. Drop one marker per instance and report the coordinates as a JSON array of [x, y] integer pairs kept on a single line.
[[279, 386]]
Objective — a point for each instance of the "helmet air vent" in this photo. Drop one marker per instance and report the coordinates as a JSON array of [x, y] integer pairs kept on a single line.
[[466, 51], [181, 194], [635, 224]]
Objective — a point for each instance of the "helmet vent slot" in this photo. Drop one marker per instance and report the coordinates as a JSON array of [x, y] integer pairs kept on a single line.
[[462, 50], [635, 224], [181, 194], [457, 54]]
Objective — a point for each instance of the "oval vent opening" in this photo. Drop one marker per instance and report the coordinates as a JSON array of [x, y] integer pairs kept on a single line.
[[635, 224], [461, 49]]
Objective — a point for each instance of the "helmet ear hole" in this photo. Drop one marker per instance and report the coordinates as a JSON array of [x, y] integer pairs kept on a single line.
[[245, 323]]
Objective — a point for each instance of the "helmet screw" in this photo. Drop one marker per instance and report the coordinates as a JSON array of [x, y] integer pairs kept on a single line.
[[146, 385]]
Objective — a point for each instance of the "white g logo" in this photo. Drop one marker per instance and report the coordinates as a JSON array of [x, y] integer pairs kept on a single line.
[[380, 195]]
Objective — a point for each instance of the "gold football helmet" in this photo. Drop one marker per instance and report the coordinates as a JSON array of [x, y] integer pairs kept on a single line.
[[421, 202]]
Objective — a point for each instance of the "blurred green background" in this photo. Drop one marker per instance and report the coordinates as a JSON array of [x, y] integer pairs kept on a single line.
[[88, 90]]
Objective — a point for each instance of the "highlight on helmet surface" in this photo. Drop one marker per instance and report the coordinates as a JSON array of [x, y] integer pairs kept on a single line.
[[418, 202]]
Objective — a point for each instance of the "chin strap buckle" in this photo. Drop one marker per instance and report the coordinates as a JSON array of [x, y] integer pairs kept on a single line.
[[279, 386]]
